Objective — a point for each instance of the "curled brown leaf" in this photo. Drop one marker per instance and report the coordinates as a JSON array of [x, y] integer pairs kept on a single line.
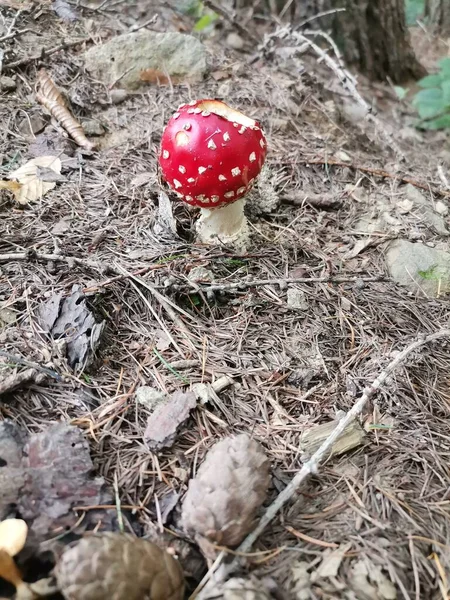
[[50, 97]]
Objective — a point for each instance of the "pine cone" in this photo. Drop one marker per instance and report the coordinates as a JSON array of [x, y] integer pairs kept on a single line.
[[236, 589], [230, 486], [115, 566]]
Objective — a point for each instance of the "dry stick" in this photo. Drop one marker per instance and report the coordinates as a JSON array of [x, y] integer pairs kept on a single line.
[[231, 19], [223, 287], [43, 54], [17, 380], [372, 171], [69, 260], [311, 467]]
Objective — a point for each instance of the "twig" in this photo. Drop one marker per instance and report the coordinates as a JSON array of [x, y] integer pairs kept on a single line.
[[232, 20], [43, 54], [18, 360], [69, 260], [372, 171], [17, 380], [311, 467], [241, 285]]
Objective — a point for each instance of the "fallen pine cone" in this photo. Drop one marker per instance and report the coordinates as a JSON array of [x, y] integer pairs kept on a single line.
[[231, 484], [236, 588], [118, 566]]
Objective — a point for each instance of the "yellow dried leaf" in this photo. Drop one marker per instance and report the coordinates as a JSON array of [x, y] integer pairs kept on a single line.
[[50, 97], [11, 186], [9, 570], [33, 187], [13, 535]]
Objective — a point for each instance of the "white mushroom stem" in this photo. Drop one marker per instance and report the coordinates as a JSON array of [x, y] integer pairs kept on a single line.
[[227, 225]]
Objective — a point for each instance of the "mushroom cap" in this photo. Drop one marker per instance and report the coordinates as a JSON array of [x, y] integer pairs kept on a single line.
[[211, 153]]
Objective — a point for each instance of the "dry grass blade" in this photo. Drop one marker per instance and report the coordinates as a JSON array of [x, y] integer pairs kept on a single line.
[[50, 97]]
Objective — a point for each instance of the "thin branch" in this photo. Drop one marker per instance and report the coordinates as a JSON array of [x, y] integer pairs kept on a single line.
[[69, 260], [311, 467], [241, 285], [232, 19], [43, 54], [18, 380]]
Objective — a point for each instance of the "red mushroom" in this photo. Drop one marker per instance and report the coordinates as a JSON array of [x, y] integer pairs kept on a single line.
[[211, 155]]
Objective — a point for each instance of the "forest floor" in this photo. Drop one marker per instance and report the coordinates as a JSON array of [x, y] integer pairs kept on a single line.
[[374, 522]]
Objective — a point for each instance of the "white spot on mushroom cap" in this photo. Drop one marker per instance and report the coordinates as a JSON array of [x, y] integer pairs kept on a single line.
[[200, 198], [252, 157], [235, 124], [205, 113], [189, 198], [226, 136], [197, 111], [201, 170], [236, 171], [190, 111], [243, 129], [182, 169], [228, 194], [166, 154], [176, 115], [191, 180], [193, 103], [215, 199], [176, 183], [187, 126], [211, 145], [222, 178], [261, 143], [241, 190]]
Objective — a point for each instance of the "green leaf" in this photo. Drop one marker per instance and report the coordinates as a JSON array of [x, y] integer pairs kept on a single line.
[[446, 91], [430, 81], [205, 22], [444, 65], [430, 109], [429, 96], [400, 91], [442, 122]]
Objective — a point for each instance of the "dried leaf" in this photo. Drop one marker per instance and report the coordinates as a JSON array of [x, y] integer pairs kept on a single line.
[[64, 10], [33, 184], [163, 424], [158, 77], [229, 488], [165, 225], [71, 321], [49, 96], [46, 474], [13, 535], [236, 588], [11, 186], [99, 566], [9, 570]]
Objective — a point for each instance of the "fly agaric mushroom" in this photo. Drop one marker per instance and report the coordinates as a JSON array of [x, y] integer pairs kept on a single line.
[[211, 155]]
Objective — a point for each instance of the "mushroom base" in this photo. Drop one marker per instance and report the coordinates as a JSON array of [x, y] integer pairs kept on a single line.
[[227, 225]]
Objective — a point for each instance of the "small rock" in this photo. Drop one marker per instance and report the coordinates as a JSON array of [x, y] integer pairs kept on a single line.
[[7, 84], [200, 274], [122, 59], [297, 299], [118, 96], [405, 206], [234, 41], [279, 124], [421, 269], [150, 397], [92, 127], [343, 156], [32, 124], [441, 208]]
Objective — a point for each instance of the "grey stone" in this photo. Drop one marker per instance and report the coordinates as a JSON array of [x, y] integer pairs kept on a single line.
[[234, 41], [122, 59], [150, 397], [297, 299], [7, 84], [118, 96], [421, 269], [92, 127]]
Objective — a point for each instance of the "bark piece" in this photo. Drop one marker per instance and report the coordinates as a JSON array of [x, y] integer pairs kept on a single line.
[[44, 475], [119, 566], [225, 495], [163, 423]]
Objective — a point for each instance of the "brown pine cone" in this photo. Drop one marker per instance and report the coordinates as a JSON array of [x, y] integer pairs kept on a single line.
[[236, 588], [230, 486], [116, 566]]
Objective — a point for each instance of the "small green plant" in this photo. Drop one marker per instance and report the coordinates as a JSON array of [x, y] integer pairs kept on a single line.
[[205, 18], [433, 101]]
